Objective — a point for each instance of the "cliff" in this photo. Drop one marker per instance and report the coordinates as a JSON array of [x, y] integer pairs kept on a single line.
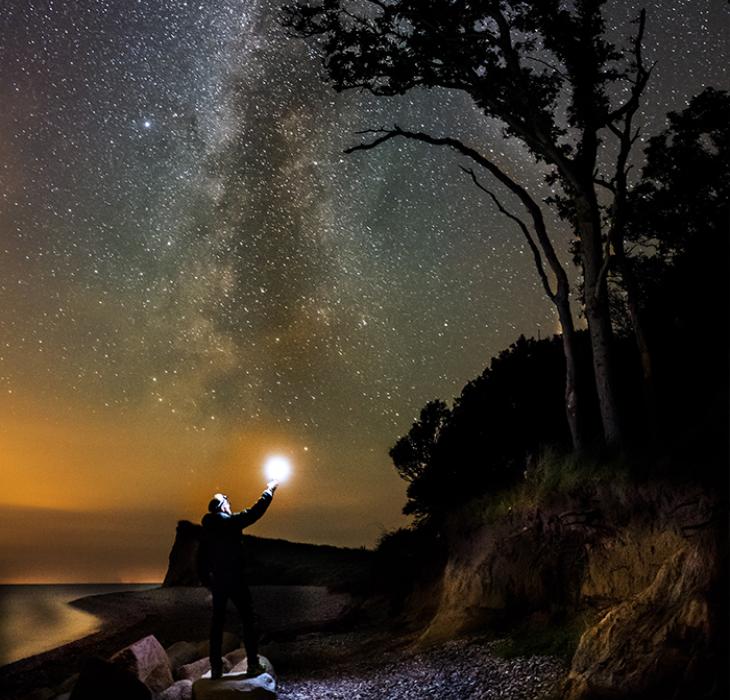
[[273, 561], [641, 567]]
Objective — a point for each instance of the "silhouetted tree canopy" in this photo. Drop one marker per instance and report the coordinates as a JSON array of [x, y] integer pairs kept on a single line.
[[678, 221], [681, 202], [548, 71], [483, 443], [413, 453], [679, 225]]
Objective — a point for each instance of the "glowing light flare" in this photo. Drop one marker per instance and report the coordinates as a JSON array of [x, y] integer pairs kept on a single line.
[[277, 468]]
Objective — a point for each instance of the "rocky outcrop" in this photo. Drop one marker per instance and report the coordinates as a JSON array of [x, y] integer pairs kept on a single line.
[[645, 564], [514, 566], [657, 641], [181, 567], [272, 561]]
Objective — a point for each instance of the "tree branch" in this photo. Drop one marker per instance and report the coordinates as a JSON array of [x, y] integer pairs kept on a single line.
[[523, 195], [604, 183], [525, 231], [553, 68], [640, 80], [621, 125]]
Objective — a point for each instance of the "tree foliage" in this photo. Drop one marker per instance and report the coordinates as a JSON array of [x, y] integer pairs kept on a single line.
[[485, 440], [548, 71], [682, 199], [678, 219]]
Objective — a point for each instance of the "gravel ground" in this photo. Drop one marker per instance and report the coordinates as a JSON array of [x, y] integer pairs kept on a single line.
[[346, 667], [314, 659]]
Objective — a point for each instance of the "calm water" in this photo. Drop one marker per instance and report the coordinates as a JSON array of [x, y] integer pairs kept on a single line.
[[34, 619]]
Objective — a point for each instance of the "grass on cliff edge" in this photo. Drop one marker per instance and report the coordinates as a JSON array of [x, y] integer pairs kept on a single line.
[[554, 474]]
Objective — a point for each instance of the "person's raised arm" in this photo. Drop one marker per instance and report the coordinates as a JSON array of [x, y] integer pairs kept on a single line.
[[248, 516]]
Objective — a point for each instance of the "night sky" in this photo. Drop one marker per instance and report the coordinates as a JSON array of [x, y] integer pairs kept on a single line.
[[193, 276]]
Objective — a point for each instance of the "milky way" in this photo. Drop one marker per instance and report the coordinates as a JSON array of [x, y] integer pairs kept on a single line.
[[182, 239]]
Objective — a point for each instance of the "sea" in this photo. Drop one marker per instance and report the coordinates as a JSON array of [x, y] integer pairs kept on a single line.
[[37, 618]]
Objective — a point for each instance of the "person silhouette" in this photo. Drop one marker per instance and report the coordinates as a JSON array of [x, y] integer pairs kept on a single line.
[[221, 567]]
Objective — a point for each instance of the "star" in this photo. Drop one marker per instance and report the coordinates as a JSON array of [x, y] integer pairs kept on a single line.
[[230, 259]]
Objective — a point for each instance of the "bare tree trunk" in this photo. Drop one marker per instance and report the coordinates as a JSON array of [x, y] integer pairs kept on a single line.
[[641, 338], [573, 407], [599, 322], [543, 246]]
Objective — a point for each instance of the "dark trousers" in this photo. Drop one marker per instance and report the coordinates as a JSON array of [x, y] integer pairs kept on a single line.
[[237, 592]]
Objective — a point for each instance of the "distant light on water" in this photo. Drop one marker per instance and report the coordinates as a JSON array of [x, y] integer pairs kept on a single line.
[[38, 618]]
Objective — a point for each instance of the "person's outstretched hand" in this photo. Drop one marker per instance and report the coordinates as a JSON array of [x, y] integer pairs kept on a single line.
[[272, 485]]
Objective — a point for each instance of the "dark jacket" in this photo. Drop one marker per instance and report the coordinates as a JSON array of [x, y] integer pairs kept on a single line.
[[221, 556]]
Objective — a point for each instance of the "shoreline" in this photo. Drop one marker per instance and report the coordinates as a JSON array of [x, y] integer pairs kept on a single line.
[[171, 614], [312, 642], [51, 668]]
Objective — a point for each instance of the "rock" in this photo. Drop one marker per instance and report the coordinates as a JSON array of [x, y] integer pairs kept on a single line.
[[203, 649], [181, 653], [234, 686], [230, 642], [242, 666], [148, 661], [41, 694], [194, 670], [179, 690], [63, 696], [235, 657], [197, 669], [655, 644], [103, 679]]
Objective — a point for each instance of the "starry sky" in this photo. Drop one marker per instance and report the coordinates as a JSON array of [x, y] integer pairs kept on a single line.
[[193, 275]]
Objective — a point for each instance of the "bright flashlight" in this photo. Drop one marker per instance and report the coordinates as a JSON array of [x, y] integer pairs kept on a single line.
[[277, 468]]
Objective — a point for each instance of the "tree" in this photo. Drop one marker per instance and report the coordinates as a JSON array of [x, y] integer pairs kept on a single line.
[[413, 453], [682, 199], [547, 71], [676, 230], [501, 420]]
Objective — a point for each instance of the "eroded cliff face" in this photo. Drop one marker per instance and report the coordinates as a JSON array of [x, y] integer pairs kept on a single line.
[[646, 564]]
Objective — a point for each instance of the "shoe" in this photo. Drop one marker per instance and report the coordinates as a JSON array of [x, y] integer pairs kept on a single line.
[[255, 669]]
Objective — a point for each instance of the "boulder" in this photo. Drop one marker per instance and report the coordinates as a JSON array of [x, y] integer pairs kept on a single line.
[[194, 670], [235, 657], [179, 690], [235, 687], [181, 653], [103, 679], [230, 642], [197, 669], [147, 660], [242, 666]]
